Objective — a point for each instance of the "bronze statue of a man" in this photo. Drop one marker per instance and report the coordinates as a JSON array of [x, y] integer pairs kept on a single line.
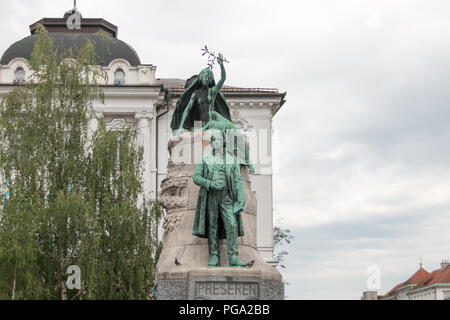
[[221, 198], [220, 202]]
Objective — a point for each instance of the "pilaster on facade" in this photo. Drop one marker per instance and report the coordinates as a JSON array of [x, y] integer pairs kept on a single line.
[[145, 115], [146, 139], [93, 121]]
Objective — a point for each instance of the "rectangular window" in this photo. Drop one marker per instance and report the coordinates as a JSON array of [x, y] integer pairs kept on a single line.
[[447, 295]]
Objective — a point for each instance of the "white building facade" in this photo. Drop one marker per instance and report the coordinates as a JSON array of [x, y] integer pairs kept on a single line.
[[135, 96], [423, 285]]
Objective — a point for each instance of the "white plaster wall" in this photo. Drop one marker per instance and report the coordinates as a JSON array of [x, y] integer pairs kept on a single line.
[[140, 75], [428, 294], [163, 154], [7, 71], [440, 292], [260, 137], [402, 295]]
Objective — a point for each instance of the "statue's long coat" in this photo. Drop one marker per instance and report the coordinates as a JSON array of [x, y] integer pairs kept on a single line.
[[202, 177]]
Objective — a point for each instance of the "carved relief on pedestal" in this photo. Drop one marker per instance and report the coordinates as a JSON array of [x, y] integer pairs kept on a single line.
[[171, 193], [173, 198], [175, 167], [171, 221]]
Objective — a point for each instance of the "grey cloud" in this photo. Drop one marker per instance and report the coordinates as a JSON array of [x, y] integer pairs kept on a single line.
[[330, 261]]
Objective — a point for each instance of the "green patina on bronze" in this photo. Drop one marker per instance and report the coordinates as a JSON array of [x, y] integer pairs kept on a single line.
[[200, 100], [220, 202], [221, 197], [203, 101]]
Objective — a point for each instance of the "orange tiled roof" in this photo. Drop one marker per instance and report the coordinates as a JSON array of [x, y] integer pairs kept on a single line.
[[437, 276], [418, 277]]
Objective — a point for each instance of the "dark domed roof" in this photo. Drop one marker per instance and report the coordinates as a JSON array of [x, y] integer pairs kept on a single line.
[[107, 48]]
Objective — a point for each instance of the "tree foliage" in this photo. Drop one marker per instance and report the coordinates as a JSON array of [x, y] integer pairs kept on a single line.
[[281, 237], [74, 198]]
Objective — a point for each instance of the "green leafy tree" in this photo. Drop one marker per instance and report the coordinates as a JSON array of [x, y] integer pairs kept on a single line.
[[74, 199], [281, 237]]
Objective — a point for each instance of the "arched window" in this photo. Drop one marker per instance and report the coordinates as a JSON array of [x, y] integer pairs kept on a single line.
[[19, 75], [119, 77]]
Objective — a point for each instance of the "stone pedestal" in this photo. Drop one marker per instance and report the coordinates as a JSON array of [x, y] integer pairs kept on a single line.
[[182, 272]]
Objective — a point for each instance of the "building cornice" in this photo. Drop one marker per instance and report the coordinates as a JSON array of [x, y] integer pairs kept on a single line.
[[406, 287], [135, 91], [241, 95], [144, 115], [127, 91], [436, 285], [390, 298], [273, 102]]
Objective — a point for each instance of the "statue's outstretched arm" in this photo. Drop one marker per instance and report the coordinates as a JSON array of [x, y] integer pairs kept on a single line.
[[223, 77], [186, 111]]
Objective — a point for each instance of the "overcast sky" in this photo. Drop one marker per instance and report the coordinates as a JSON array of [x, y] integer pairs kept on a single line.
[[364, 175]]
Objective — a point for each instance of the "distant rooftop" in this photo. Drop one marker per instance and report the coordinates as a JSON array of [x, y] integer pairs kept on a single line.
[[422, 278]]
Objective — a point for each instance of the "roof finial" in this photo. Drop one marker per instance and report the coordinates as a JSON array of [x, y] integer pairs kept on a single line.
[[420, 262], [75, 4]]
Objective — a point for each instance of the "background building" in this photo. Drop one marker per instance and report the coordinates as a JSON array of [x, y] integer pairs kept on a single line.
[[135, 97], [422, 285]]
